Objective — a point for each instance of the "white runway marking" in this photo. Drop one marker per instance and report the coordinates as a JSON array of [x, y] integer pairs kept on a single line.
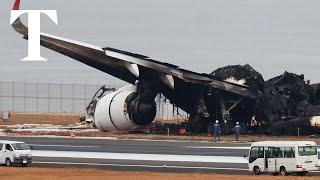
[[139, 157], [62, 145], [141, 165], [217, 147]]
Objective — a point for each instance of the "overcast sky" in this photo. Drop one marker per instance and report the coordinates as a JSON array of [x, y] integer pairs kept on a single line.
[[200, 35]]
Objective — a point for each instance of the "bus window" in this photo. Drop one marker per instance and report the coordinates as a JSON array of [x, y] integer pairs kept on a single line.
[[289, 152], [307, 150], [255, 153], [270, 153], [281, 150], [273, 152], [277, 153], [261, 152], [1, 145]]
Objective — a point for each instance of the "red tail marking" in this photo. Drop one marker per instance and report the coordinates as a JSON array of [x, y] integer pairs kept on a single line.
[[16, 5]]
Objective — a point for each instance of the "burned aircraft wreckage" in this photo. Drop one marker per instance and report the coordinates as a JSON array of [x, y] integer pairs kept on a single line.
[[288, 103], [233, 93], [283, 105]]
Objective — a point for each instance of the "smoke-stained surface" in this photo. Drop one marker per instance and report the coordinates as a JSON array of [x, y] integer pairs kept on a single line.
[[244, 75], [315, 89], [288, 101], [285, 95], [288, 104]]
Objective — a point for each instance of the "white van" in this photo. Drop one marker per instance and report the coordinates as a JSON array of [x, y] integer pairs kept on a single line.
[[283, 157], [15, 153]]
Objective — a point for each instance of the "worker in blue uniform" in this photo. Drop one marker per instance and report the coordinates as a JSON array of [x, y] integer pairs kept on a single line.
[[216, 130], [237, 131]]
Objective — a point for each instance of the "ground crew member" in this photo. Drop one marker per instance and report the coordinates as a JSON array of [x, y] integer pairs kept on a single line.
[[216, 131], [237, 130]]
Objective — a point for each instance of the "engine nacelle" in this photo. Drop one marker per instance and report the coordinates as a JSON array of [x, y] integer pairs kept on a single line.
[[118, 111]]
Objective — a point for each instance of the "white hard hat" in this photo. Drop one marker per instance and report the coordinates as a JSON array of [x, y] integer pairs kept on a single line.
[[237, 123], [217, 121]]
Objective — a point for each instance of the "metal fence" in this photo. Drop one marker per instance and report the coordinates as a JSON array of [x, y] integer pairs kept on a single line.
[[45, 97], [57, 98]]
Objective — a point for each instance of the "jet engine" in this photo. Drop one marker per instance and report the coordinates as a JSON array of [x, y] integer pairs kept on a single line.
[[123, 111]]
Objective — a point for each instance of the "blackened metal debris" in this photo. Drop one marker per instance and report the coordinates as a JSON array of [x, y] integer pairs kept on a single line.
[[286, 106]]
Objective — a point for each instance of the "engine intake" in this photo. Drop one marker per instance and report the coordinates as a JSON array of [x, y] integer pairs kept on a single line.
[[122, 111]]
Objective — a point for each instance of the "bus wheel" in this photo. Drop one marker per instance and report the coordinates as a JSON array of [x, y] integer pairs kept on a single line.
[[283, 171], [256, 170]]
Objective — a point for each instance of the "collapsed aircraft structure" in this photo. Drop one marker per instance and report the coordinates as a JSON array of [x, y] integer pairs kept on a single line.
[[224, 94], [288, 103]]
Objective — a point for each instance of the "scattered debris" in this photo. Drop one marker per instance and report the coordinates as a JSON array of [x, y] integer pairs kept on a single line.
[[48, 128]]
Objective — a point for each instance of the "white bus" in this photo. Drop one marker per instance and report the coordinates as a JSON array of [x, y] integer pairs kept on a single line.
[[283, 157]]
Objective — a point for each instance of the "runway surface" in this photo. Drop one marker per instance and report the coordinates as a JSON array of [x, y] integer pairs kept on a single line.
[[152, 155]]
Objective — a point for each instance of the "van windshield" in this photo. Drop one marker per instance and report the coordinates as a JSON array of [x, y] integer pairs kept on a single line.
[[20, 146], [307, 150]]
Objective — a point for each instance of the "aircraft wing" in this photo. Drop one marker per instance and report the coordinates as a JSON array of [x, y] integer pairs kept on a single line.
[[128, 66]]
